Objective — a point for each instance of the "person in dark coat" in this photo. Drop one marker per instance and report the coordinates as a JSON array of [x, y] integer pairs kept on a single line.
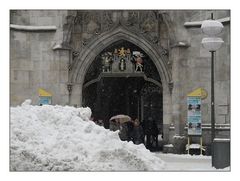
[[155, 133], [114, 125], [137, 134], [148, 132], [130, 126], [123, 133], [126, 129], [143, 132]]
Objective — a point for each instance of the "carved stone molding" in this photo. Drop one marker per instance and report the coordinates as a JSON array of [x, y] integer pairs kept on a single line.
[[89, 24], [84, 27], [75, 55], [69, 88], [170, 86]]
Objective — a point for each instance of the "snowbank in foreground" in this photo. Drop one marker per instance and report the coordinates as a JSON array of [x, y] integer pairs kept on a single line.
[[57, 138]]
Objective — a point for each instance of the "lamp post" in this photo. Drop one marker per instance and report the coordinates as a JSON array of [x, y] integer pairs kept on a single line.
[[212, 43]]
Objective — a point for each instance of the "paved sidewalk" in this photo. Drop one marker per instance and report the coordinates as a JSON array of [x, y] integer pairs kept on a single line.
[[186, 162]]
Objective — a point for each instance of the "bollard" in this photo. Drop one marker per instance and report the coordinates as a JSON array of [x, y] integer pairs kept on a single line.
[[221, 153]]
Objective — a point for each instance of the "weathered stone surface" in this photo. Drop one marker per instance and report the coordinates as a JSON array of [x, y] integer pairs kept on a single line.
[[34, 64], [223, 109], [179, 143], [221, 119]]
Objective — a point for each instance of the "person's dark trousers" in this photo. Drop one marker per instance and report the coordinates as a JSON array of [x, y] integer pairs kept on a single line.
[[148, 141], [156, 139]]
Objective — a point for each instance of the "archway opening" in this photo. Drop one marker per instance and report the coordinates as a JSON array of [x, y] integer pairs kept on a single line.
[[114, 84]]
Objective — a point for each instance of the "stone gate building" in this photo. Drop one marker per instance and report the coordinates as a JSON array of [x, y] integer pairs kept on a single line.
[[89, 58]]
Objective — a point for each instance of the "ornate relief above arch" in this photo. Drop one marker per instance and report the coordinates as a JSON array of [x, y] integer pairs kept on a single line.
[[92, 23], [87, 33], [97, 45]]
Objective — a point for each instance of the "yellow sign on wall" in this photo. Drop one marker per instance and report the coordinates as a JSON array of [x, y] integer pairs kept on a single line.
[[200, 92], [44, 93]]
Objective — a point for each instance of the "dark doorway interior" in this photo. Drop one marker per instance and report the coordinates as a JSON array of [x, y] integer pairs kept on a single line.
[[132, 96]]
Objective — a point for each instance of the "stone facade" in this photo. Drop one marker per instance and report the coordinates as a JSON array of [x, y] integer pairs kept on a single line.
[[57, 59], [34, 64]]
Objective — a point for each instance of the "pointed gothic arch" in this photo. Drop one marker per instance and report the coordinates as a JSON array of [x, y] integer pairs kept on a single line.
[[99, 43], [94, 47]]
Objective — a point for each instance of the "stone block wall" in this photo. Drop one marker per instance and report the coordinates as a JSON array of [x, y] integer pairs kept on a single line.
[[33, 62], [193, 65]]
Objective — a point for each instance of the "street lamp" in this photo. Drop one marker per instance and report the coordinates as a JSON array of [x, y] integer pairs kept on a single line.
[[212, 43]]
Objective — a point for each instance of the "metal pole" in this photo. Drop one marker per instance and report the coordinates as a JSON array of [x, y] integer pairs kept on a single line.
[[212, 103], [212, 97]]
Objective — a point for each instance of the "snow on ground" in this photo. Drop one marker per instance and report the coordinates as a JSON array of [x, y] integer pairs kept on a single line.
[[187, 162], [57, 138]]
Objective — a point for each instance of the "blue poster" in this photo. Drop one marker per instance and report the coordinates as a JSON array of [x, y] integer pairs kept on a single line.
[[45, 100], [194, 116]]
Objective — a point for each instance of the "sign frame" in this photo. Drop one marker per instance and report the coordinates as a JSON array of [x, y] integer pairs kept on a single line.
[[194, 117]]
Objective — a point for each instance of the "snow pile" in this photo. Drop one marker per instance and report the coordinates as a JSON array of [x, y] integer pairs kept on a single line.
[[57, 138]]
